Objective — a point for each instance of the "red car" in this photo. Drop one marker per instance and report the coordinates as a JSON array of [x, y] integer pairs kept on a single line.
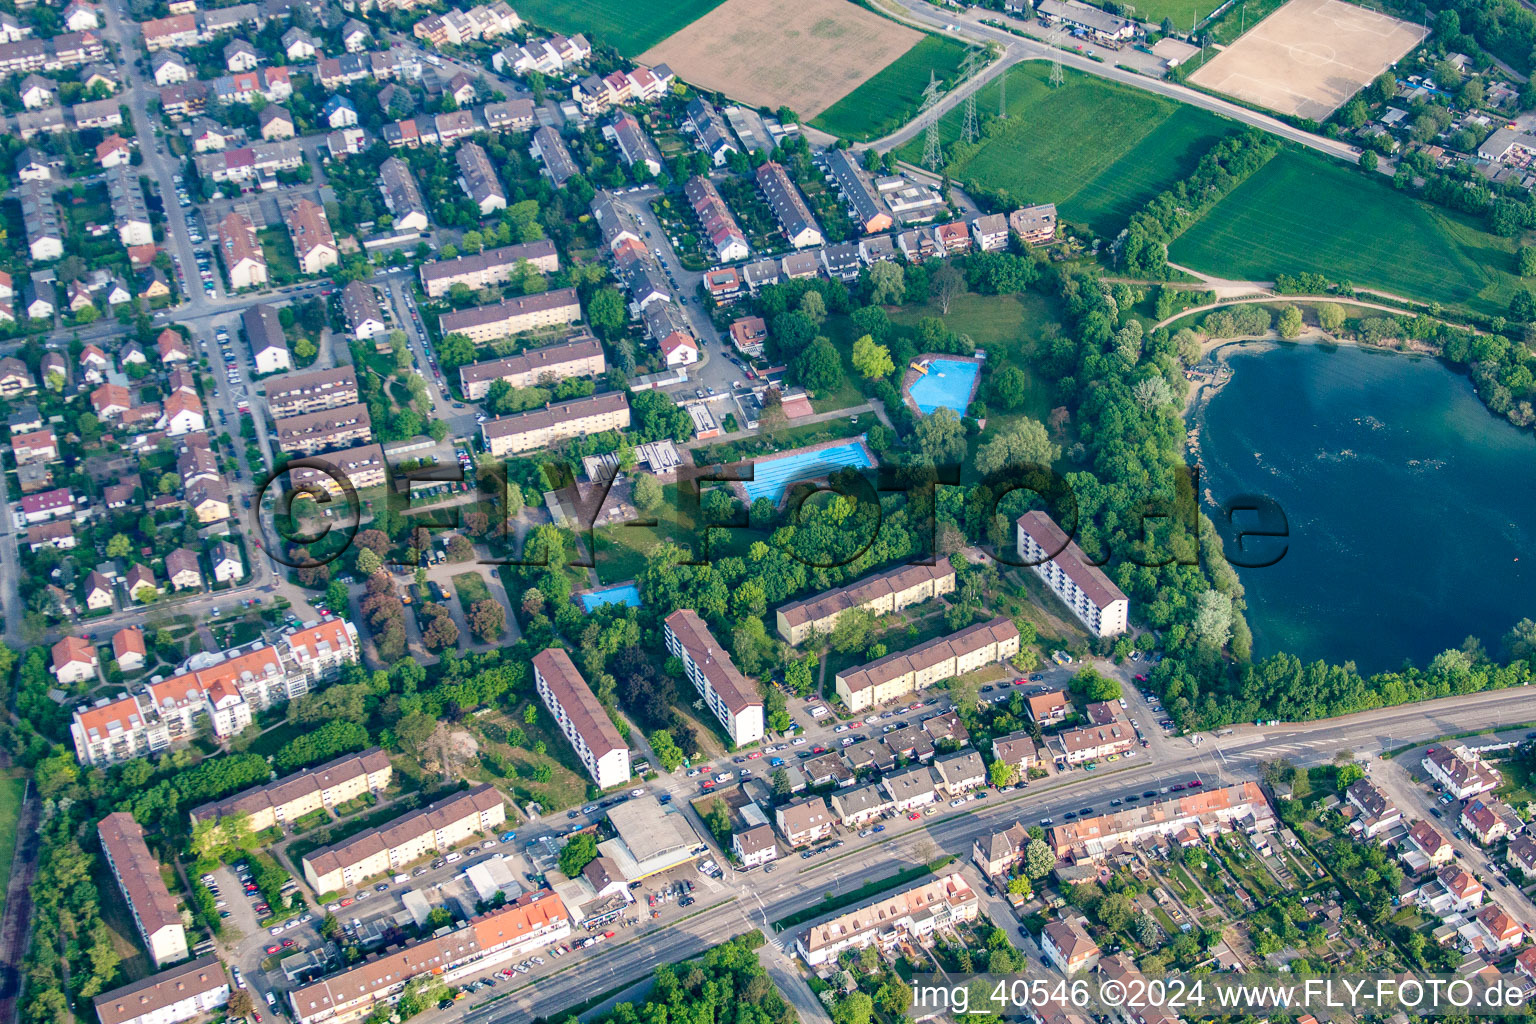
[[754, 756], [348, 901], [818, 750], [913, 816], [1141, 678], [273, 948], [708, 784], [287, 943], [1195, 782], [1020, 682]]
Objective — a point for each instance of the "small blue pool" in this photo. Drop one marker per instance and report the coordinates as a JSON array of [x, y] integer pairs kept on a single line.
[[947, 384], [774, 475], [623, 593]]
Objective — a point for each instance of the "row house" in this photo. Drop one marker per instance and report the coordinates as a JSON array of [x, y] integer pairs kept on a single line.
[[596, 94], [788, 206], [635, 146], [719, 224], [130, 211], [260, 160], [245, 262], [402, 196], [547, 56], [314, 246], [456, 27], [274, 85], [478, 179]]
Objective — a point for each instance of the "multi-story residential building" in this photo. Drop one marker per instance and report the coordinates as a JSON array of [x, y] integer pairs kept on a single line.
[[435, 828], [1209, 810], [882, 593], [1374, 811], [905, 672], [361, 467], [360, 308], [732, 697], [313, 243], [491, 267], [804, 822], [402, 196], [514, 316], [264, 334], [539, 428], [1462, 773], [860, 805], [34, 446], [913, 915], [329, 428], [311, 391], [1018, 750], [1489, 820], [244, 261], [581, 717], [549, 148], [546, 56], [579, 357], [478, 179], [996, 853], [756, 846], [129, 209], [526, 925], [1091, 742], [719, 224], [153, 909], [1067, 946], [990, 232], [40, 219], [858, 192], [1080, 584], [788, 206], [635, 146], [291, 797], [194, 989]]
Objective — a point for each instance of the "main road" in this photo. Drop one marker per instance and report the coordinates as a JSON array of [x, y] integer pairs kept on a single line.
[[755, 901]]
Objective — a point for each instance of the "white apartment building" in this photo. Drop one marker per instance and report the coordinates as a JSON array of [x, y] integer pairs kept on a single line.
[[154, 910], [1082, 586], [730, 695], [914, 914], [291, 797], [181, 993], [904, 672], [581, 717], [1460, 771]]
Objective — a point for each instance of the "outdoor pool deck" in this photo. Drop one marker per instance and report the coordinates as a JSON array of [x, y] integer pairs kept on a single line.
[[951, 382], [773, 474], [619, 593]]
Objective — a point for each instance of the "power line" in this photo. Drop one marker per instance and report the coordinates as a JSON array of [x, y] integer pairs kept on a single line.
[[933, 154]]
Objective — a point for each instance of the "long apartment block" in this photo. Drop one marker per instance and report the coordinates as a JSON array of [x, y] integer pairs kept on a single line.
[[182, 993], [153, 908], [291, 797], [295, 394], [732, 697], [488, 268], [904, 672], [579, 357], [435, 828], [581, 717], [555, 308], [362, 467], [539, 428], [1080, 584], [881, 593], [343, 426]]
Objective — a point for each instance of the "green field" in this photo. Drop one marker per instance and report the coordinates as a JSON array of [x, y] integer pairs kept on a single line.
[[1303, 212], [11, 791], [627, 26], [893, 97], [1096, 149]]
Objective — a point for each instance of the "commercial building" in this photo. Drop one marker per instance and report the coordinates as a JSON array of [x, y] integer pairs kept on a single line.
[[361, 467], [329, 428], [154, 911], [904, 672], [1206, 810], [530, 923], [913, 915], [436, 828], [488, 268], [731, 696], [789, 208], [538, 428], [581, 718], [1081, 585], [291, 797], [578, 357], [881, 593], [514, 316], [181, 993], [402, 196], [651, 838], [311, 391]]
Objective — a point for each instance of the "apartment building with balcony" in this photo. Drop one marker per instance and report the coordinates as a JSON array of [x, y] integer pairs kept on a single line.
[[539, 428], [882, 593], [194, 989], [489, 268], [904, 672], [554, 308], [581, 718], [343, 426], [1081, 585], [291, 797], [295, 394], [578, 357], [912, 915], [154, 910], [731, 696]]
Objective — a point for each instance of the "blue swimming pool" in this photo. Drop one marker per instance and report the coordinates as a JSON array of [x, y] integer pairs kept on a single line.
[[773, 475], [947, 383], [623, 593]]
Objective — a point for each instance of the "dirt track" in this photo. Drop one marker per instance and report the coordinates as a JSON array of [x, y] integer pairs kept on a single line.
[[17, 924]]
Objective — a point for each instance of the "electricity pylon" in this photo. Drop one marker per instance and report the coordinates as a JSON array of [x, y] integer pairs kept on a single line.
[[933, 155]]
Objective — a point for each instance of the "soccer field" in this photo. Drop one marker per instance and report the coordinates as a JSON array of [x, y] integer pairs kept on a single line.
[[1096, 149], [627, 26], [1303, 212], [893, 97]]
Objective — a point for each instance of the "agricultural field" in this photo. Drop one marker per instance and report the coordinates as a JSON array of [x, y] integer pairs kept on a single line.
[[631, 28], [1303, 212], [894, 96], [801, 54], [1096, 149]]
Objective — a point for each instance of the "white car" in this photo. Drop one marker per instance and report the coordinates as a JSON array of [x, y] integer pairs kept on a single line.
[[637, 792], [798, 741]]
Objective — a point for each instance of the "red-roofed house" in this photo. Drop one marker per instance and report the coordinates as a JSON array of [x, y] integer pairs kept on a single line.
[[679, 349], [128, 648], [172, 347], [111, 401], [1501, 931], [74, 660], [181, 413]]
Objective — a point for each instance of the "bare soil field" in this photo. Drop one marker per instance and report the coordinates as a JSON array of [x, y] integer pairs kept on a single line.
[[1309, 57], [801, 54]]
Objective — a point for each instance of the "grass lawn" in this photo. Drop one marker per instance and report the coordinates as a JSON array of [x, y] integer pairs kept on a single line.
[[1096, 149], [277, 247], [892, 97], [786, 439], [622, 549], [628, 27], [1302, 212], [11, 791]]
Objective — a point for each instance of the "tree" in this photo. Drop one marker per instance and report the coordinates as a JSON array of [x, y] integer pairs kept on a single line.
[[854, 1008], [240, 1004], [646, 493], [1349, 774], [1368, 160], [1001, 774], [872, 360], [1039, 859], [1330, 316], [941, 437], [367, 562], [487, 619], [887, 286], [119, 546], [336, 597], [666, 750], [605, 313], [1520, 642], [946, 284], [1213, 619], [1528, 261], [1019, 886], [1289, 324], [304, 350], [1026, 444], [814, 307], [1010, 387], [578, 853], [819, 369]]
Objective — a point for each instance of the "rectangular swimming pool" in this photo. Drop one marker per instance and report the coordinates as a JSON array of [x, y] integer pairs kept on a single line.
[[948, 384], [774, 475], [622, 593]]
